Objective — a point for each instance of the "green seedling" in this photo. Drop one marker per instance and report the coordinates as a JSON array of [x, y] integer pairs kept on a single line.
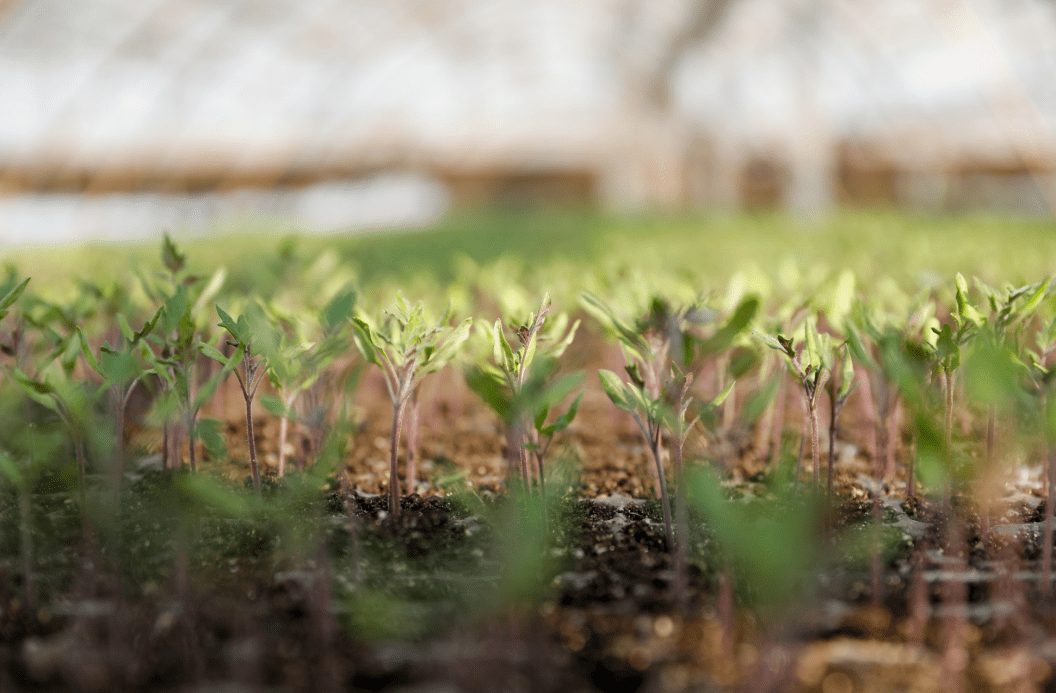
[[647, 350], [122, 368], [995, 365], [523, 395], [406, 349], [840, 389], [178, 344], [810, 366], [659, 351], [297, 361], [254, 369], [67, 398], [947, 352]]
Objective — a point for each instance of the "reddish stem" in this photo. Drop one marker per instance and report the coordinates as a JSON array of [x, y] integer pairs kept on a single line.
[[394, 451]]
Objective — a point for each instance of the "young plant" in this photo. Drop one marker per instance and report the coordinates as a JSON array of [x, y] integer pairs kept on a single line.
[[406, 349], [810, 367], [254, 368], [947, 352], [68, 399], [297, 361], [647, 350], [122, 369], [997, 361], [840, 389], [178, 343], [523, 397]]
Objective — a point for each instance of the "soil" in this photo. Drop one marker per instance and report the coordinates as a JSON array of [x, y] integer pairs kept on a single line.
[[409, 603]]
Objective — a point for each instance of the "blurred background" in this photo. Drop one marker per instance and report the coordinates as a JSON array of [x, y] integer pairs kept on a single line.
[[121, 118]]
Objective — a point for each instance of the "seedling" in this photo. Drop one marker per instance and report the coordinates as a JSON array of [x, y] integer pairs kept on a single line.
[[524, 397], [997, 361], [406, 349], [297, 362], [947, 352], [810, 366], [254, 368], [178, 342], [69, 400], [840, 388], [122, 369]]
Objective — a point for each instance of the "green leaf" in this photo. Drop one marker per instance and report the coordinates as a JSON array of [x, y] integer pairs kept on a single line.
[[171, 256], [503, 352], [947, 350], [212, 495], [529, 351], [41, 393], [339, 310], [209, 432], [559, 347], [620, 394], [11, 296], [722, 395], [366, 341], [126, 329], [492, 390], [148, 326], [965, 309], [540, 417], [812, 350], [623, 332], [89, 357], [738, 322], [563, 421], [216, 282], [228, 323], [11, 470], [1035, 298], [847, 383], [274, 405]]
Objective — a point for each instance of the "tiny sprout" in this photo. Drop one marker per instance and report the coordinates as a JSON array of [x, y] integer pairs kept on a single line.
[[406, 349]]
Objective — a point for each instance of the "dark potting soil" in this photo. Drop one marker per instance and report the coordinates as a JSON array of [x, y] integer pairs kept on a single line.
[[429, 601]]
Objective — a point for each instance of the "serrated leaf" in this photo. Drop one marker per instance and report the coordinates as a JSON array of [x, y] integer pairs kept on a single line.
[[148, 326], [171, 256]]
